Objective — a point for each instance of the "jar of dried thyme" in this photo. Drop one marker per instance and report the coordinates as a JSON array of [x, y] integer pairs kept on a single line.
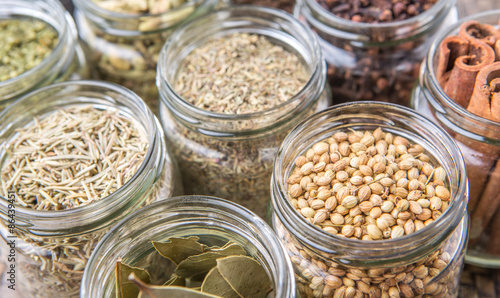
[[374, 48], [232, 84], [75, 158], [176, 241], [38, 46], [370, 200], [123, 38], [458, 90]]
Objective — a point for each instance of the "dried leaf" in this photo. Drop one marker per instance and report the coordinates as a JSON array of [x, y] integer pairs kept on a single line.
[[125, 288], [216, 284], [175, 281], [178, 249], [245, 275]]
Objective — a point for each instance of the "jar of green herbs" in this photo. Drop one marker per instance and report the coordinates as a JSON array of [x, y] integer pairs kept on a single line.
[[75, 158], [123, 38], [232, 84], [38, 46], [187, 245]]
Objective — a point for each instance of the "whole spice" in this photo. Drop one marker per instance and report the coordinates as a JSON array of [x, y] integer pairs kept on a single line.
[[24, 43], [404, 196], [469, 75], [252, 75], [139, 6]]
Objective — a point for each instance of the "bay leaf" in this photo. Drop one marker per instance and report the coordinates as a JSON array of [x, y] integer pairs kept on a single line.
[[125, 288], [152, 291], [245, 275], [178, 249], [215, 283], [175, 281], [230, 249]]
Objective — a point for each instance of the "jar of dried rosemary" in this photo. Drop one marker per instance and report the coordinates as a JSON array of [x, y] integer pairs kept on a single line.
[[458, 89], [374, 48], [370, 200], [76, 157], [178, 240], [38, 46], [232, 84], [123, 38]]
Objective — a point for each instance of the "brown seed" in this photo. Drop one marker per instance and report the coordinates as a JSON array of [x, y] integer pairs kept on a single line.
[[425, 203], [331, 203], [374, 232], [337, 219], [414, 195], [409, 227], [320, 216], [397, 231], [347, 230], [376, 212], [324, 194], [415, 207], [387, 206], [436, 203], [320, 148], [386, 182], [400, 192], [317, 204], [356, 180], [439, 174], [344, 149], [320, 166], [295, 190], [366, 206], [442, 192], [333, 281], [295, 178], [405, 165], [377, 188], [349, 202], [306, 169], [421, 271], [307, 212], [300, 161], [403, 205]]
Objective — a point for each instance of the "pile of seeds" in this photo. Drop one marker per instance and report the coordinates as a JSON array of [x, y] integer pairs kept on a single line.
[[24, 43], [239, 74], [369, 185], [139, 6], [72, 157]]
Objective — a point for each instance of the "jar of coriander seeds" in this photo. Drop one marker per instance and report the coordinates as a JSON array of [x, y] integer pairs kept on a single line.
[[205, 232], [458, 92], [369, 200], [76, 157], [232, 84], [123, 38], [374, 48], [39, 46]]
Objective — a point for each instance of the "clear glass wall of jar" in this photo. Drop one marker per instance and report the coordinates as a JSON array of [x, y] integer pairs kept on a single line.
[[479, 141], [213, 220], [124, 47], [67, 60], [230, 155], [369, 61], [427, 262], [52, 247]]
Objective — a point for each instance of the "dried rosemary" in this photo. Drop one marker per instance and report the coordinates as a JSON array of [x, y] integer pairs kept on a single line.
[[24, 43]]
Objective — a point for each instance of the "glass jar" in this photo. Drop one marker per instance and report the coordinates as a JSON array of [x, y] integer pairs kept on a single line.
[[52, 247], [231, 155], [479, 141], [66, 61], [374, 61], [124, 47], [425, 263], [215, 221]]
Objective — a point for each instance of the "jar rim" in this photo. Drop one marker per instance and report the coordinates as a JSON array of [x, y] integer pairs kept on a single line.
[[128, 99], [317, 76], [67, 35], [319, 238], [428, 66], [203, 209]]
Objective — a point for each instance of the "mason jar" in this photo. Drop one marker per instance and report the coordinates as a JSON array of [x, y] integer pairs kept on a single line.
[[479, 141], [124, 47], [231, 155], [212, 220], [374, 61], [423, 263], [51, 247], [66, 60]]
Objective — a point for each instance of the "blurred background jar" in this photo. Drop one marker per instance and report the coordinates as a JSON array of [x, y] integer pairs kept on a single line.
[[425, 262], [212, 220], [24, 67], [231, 155], [479, 141], [52, 246], [378, 59], [123, 40]]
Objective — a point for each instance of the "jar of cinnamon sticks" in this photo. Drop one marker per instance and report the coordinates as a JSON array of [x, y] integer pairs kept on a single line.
[[374, 48], [459, 89]]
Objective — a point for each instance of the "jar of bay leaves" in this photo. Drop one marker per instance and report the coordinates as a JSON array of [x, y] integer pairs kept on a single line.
[[385, 213], [450, 104], [123, 39], [203, 233], [39, 46], [76, 157], [374, 49], [232, 84]]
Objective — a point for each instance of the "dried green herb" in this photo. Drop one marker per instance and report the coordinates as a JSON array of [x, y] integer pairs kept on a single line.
[[124, 287], [24, 43], [216, 284], [151, 291], [178, 249]]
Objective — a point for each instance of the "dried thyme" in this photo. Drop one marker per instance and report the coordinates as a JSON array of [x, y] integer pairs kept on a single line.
[[239, 74], [24, 43], [71, 158]]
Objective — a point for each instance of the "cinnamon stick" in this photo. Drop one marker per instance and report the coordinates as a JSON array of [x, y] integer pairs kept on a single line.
[[486, 94], [473, 30], [450, 49], [493, 246]]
